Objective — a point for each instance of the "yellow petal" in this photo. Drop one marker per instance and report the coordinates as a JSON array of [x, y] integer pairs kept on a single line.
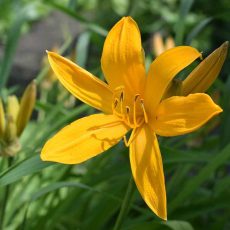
[[181, 115], [202, 77], [147, 170], [163, 69], [122, 58], [81, 83], [84, 139]]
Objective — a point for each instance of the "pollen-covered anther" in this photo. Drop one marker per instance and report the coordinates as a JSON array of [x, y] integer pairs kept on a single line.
[[115, 103], [128, 114], [121, 102]]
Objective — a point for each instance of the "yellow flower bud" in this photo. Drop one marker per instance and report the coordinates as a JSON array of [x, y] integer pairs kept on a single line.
[[12, 107], [158, 44], [201, 78], [11, 130], [169, 43], [26, 107], [2, 119]]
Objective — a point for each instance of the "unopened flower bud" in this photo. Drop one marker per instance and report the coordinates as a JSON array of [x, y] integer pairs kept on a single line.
[[158, 44], [26, 107], [2, 119], [201, 78], [12, 107], [169, 43], [11, 130]]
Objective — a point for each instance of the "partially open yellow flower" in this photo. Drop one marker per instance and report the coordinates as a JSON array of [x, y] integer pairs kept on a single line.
[[132, 100]]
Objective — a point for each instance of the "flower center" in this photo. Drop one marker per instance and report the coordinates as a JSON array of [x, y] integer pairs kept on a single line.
[[130, 109]]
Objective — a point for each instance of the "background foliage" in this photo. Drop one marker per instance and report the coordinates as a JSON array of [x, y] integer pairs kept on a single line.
[[43, 195]]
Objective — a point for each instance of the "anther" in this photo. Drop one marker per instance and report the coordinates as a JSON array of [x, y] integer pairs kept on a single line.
[[143, 108], [136, 97], [121, 101], [115, 103], [127, 112], [122, 96]]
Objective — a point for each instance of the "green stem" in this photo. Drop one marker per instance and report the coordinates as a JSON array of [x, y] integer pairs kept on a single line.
[[125, 204], [5, 197]]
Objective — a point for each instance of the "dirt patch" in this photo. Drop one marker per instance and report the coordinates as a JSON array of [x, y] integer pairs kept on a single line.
[[43, 35]]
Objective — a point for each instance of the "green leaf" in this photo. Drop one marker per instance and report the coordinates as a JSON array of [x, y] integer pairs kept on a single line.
[[225, 123], [82, 48], [120, 6], [185, 7], [202, 176], [161, 225], [23, 168], [92, 26], [197, 29], [10, 49], [178, 225], [63, 184]]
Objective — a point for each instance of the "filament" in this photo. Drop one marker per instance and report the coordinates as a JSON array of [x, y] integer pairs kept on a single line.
[[134, 110], [127, 112], [128, 142], [144, 112], [121, 102]]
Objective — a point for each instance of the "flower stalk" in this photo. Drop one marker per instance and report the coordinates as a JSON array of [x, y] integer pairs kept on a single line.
[[125, 204], [5, 197]]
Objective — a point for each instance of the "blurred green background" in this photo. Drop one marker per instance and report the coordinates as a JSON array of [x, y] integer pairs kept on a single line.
[[43, 195]]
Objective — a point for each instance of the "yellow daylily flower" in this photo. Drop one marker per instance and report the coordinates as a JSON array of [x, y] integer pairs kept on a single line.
[[132, 100]]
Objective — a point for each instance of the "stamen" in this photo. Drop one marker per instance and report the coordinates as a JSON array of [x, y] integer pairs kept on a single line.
[[143, 108], [127, 112], [122, 96], [119, 88], [127, 143], [115, 103], [136, 97], [121, 101], [134, 110]]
